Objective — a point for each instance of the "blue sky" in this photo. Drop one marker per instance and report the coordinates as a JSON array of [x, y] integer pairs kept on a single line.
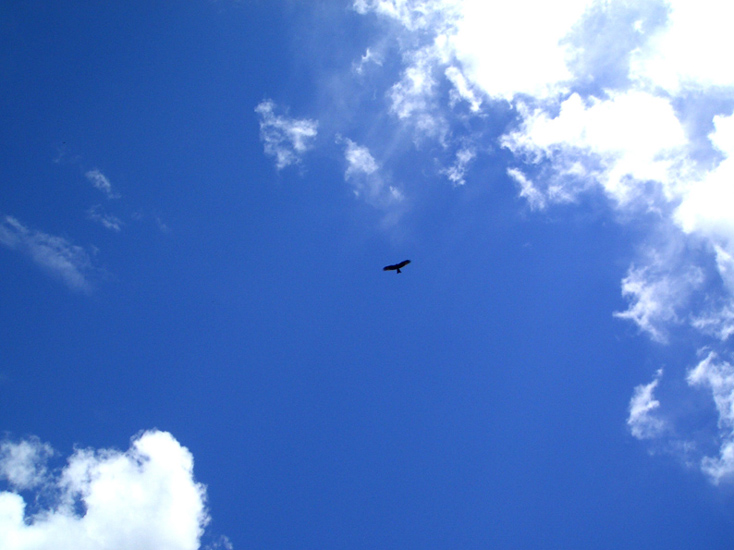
[[200, 348]]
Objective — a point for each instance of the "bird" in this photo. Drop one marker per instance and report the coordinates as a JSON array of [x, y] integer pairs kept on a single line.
[[396, 267]]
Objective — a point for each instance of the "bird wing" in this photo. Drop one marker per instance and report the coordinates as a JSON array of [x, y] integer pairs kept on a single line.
[[396, 266]]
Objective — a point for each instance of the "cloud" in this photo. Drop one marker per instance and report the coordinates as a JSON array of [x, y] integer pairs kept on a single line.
[[55, 255], [369, 57], [656, 292], [642, 420], [619, 143], [633, 101], [101, 182], [363, 174], [458, 170], [690, 51], [23, 464], [145, 498], [284, 138], [718, 377], [109, 221]]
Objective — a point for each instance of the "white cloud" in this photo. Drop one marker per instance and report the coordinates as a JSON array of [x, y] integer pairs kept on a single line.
[[457, 171], [642, 420], [359, 160], [144, 499], [462, 90], [620, 143], [56, 255], [718, 377], [285, 138], [506, 52], [23, 464], [108, 221], [364, 175], [656, 292], [101, 182], [369, 57], [691, 51], [706, 204], [412, 98], [528, 190]]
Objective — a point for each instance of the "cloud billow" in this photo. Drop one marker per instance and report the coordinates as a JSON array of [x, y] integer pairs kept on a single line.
[[145, 498]]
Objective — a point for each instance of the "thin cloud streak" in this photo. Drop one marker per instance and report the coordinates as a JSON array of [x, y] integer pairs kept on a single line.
[[108, 221], [55, 255]]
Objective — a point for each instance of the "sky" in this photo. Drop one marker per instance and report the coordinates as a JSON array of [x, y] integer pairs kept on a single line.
[[200, 348]]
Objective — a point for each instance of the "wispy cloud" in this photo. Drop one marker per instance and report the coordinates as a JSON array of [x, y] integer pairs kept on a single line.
[[458, 170], [144, 498], [107, 220], [101, 182], [285, 138], [364, 175], [53, 254], [369, 56], [643, 421], [717, 376]]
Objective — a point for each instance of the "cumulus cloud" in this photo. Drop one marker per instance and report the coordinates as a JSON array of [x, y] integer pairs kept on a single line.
[[55, 255], [101, 182], [143, 498], [642, 420], [620, 143], [656, 292], [285, 138]]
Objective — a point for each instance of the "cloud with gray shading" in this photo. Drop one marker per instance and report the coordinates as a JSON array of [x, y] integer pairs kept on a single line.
[[56, 255]]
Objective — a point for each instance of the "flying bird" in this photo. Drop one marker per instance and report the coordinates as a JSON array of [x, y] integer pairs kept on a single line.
[[396, 267]]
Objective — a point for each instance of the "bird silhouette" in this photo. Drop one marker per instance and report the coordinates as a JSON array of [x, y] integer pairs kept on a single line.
[[396, 267]]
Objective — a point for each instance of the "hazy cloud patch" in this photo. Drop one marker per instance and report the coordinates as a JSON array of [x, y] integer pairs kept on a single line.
[[55, 255]]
